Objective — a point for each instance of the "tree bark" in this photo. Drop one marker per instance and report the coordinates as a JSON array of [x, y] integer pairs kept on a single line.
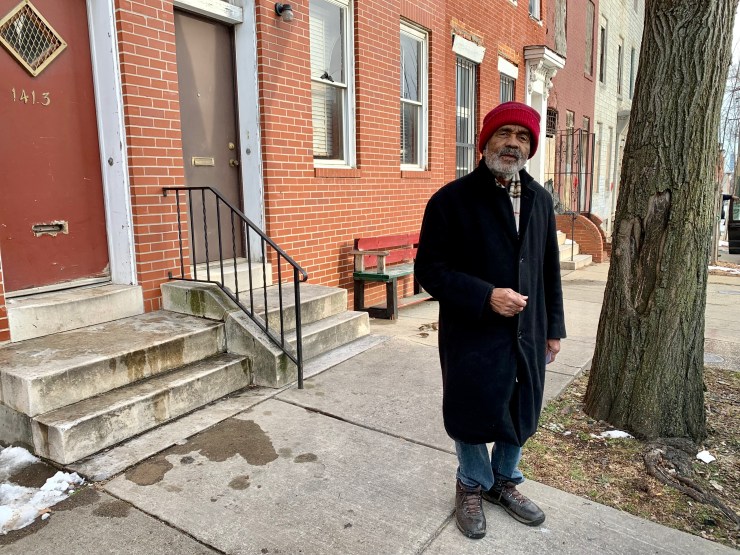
[[647, 371]]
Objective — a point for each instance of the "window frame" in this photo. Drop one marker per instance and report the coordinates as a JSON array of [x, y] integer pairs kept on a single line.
[[603, 41], [422, 135], [535, 9], [633, 53], [349, 160], [466, 151], [590, 22], [620, 66], [507, 82]]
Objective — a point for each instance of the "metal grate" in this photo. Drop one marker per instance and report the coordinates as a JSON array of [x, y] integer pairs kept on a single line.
[[552, 122], [30, 38]]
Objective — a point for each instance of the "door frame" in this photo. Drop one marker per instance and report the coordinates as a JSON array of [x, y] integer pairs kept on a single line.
[[240, 14], [107, 85]]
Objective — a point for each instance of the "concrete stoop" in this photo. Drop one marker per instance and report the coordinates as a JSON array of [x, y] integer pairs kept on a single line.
[[46, 313], [325, 321], [570, 254], [71, 394]]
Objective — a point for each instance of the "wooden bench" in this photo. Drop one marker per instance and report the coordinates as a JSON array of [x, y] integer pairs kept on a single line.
[[385, 259]]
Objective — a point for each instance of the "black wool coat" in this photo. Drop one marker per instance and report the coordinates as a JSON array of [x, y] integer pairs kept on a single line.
[[493, 367]]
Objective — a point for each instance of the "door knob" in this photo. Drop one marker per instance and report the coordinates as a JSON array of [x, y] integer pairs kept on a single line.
[[233, 162]]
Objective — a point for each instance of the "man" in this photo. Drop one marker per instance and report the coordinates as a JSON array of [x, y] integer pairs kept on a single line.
[[488, 253]]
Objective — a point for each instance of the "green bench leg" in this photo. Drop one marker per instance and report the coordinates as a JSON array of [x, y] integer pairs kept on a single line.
[[391, 299], [359, 295]]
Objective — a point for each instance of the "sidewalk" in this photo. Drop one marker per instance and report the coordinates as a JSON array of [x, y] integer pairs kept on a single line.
[[356, 463]]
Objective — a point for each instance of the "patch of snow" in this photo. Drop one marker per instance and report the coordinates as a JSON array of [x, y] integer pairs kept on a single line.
[[726, 270], [13, 459], [20, 506], [616, 434], [704, 456], [724, 243]]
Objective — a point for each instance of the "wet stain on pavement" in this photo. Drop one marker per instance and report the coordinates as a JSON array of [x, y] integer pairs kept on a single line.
[[82, 497], [232, 437], [33, 476], [149, 472], [217, 444], [112, 509], [286, 452], [240, 482], [305, 457]]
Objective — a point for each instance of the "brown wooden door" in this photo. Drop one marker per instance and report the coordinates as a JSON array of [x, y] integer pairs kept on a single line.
[[205, 70], [52, 217]]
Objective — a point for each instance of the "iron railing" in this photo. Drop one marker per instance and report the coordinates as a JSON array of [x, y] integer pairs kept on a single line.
[[242, 233], [570, 179]]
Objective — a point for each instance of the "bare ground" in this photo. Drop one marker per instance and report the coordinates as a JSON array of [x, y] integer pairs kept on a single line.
[[568, 453]]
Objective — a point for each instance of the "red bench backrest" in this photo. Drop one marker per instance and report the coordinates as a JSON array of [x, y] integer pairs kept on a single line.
[[401, 247]]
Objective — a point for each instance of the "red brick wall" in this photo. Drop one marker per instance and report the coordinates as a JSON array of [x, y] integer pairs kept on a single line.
[[572, 88], [315, 214], [4, 327], [146, 42], [585, 233]]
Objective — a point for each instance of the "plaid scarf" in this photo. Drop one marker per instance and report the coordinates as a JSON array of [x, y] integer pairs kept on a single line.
[[515, 194]]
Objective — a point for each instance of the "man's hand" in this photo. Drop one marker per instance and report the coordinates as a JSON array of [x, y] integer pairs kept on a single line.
[[507, 302], [553, 348]]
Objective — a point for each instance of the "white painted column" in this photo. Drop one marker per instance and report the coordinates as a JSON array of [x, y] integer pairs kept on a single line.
[[542, 65]]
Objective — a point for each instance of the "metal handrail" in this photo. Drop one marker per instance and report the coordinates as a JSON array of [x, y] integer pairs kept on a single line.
[[245, 224]]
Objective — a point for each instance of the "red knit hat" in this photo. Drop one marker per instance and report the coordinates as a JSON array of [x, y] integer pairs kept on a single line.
[[511, 113]]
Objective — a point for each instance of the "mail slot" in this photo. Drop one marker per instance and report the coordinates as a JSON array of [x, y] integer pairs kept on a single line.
[[203, 161], [50, 228]]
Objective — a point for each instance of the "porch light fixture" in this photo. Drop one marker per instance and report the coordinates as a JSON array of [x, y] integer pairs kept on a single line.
[[285, 11]]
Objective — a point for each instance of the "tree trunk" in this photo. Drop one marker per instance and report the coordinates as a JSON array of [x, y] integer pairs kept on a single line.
[[647, 371]]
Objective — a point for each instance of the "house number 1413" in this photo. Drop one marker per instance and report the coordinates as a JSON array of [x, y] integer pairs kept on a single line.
[[22, 96]]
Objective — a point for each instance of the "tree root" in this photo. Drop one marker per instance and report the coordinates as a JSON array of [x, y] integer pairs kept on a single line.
[[669, 461]]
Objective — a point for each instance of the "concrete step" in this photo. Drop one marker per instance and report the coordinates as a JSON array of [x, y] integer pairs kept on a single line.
[[561, 237], [47, 313], [579, 261], [70, 433], [334, 331], [271, 367], [568, 248], [317, 302], [240, 276], [43, 374]]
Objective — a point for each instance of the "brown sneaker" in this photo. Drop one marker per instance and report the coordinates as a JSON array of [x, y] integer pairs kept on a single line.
[[469, 511], [515, 503]]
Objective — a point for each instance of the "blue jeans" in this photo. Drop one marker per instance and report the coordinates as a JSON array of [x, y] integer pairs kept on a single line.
[[477, 468]]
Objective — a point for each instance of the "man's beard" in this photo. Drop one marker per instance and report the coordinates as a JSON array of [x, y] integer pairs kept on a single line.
[[502, 168]]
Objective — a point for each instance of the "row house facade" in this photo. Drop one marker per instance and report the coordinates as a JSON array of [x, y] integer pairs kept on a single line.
[[588, 112], [322, 121]]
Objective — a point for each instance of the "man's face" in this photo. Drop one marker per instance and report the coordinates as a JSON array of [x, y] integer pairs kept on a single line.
[[507, 151]]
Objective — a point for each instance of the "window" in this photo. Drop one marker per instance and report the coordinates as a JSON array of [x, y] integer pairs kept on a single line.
[[589, 63], [466, 106], [602, 54], [599, 141], [609, 149], [632, 72], [551, 126], [620, 51], [332, 82], [534, 8], [414, 80], [508, 85]]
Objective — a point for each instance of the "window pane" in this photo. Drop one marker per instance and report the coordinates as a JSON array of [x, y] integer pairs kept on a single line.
[[410, 56], [589, 65], [327, 41], [466, 108], [327, 121], [410, 120], [507, 88]]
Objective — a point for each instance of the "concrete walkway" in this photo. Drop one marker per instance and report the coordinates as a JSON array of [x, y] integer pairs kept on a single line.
[[356, 463]]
